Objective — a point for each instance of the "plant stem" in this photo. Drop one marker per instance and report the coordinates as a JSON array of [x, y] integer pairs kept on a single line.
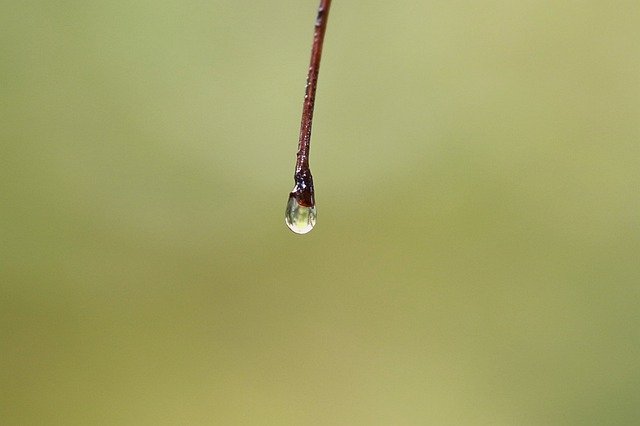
[[302, 175]]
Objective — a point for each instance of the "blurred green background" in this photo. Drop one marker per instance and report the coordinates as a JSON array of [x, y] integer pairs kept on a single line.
[[477, 255]]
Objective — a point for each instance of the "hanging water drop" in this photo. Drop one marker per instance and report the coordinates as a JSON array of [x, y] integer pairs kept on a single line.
[[298, 217]]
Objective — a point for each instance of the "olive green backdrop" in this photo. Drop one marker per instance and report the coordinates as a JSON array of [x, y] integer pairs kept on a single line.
[[477, 255]]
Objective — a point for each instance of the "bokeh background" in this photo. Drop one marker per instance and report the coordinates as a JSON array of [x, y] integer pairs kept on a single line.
[[477, 255]]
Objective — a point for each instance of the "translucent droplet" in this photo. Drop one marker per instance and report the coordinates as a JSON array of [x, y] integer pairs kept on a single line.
[[300, 219]]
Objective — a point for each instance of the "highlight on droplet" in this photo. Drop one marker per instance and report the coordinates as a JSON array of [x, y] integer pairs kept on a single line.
[[300, 219]]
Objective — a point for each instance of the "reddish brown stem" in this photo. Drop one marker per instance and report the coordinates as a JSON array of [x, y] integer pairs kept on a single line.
[[303, 179]]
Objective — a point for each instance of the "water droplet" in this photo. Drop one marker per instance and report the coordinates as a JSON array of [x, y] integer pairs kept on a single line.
[[299, 218]]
